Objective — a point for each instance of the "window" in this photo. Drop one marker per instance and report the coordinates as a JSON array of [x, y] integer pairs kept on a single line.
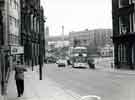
[[123, 3], [133, 54], [134, 21], [10, 20], [119, 53], [10, 2], [35, 24], [133, 1], [31, 22], [124, 24]]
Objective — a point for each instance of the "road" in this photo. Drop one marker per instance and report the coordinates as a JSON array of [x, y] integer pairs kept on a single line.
[[107, 85]]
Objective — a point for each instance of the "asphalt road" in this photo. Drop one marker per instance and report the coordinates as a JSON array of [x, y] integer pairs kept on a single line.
[[107, 85]]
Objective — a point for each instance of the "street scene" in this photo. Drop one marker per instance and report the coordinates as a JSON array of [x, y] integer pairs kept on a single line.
[[67, 50], [109, 85]]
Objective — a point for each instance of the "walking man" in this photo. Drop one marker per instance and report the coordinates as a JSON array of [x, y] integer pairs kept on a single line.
[[19, 77]]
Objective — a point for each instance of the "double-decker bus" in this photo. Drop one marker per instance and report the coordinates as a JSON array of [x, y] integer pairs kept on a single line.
[[78, 57]]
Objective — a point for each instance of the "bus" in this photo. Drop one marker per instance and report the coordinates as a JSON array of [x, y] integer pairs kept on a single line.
[[78, 57]]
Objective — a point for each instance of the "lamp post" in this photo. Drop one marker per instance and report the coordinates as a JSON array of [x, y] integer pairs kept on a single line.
[[40, 57], [40, 47], [41, 41]]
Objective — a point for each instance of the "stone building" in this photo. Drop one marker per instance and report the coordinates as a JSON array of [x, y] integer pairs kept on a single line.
[[123, 15], [10, 46], [92, 39], [10, 31], [32, 30]]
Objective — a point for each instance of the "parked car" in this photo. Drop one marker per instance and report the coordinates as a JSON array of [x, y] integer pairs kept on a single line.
[[61, 63], [51, 60]]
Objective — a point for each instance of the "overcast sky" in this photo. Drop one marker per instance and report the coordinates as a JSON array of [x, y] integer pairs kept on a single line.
[[77, 15]]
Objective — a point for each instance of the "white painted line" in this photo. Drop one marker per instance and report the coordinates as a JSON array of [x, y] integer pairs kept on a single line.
[[90, 97]]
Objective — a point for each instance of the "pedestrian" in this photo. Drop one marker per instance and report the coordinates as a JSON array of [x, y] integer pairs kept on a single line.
[[91, 63], [19, 77]]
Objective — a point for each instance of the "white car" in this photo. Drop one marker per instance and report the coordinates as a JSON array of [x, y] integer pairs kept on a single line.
[[61, 62], [79, 64]]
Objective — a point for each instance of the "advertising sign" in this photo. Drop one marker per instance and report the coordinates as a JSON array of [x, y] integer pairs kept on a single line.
[[17, 50]]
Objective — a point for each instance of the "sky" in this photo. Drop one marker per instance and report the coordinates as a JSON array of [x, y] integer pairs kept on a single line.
[[76, 15]]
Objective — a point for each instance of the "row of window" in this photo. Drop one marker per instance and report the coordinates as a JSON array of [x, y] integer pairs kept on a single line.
[[13, 39], [123, 54], [123, 3], [35, 48], [126, 23], [31, 23], [14, 22], [14, 4]]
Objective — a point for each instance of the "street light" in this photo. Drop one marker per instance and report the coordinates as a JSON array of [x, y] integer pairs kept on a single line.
[[41, 40]]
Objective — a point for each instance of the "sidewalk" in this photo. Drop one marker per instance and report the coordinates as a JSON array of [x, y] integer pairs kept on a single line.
[[36, 89], [114, 70]]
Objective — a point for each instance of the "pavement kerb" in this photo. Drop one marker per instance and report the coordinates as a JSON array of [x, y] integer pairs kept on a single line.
[[113, 70]]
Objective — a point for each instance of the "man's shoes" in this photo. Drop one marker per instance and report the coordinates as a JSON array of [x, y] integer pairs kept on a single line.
[[19, 95]]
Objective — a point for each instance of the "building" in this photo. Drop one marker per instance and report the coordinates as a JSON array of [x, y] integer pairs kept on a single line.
[[47, 32], [57, 46], [21, 35], [32, 31], [123, 15], [10, 45], [46, 37], [106, 51], [92, 39], [58, 41], [11, 19]]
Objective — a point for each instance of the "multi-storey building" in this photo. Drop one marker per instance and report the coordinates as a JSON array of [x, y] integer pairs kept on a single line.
[[10, 47], [21, 35], [10, 11], [32, 30], [92, 39], [123, 14]]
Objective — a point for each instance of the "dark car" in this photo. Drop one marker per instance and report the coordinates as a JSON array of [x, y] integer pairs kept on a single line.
[[91, 63], [51, 60]]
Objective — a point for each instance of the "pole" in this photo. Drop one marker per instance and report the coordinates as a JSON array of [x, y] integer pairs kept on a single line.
[[2, 73], [3, 49], [40, 58], [40, 48]]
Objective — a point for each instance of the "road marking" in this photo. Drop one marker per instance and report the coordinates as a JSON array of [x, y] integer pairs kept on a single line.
[[90, 97]]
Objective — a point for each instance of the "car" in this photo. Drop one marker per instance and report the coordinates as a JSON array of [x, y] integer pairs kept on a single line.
[[61, 63], [91, 63], [51, 60]]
